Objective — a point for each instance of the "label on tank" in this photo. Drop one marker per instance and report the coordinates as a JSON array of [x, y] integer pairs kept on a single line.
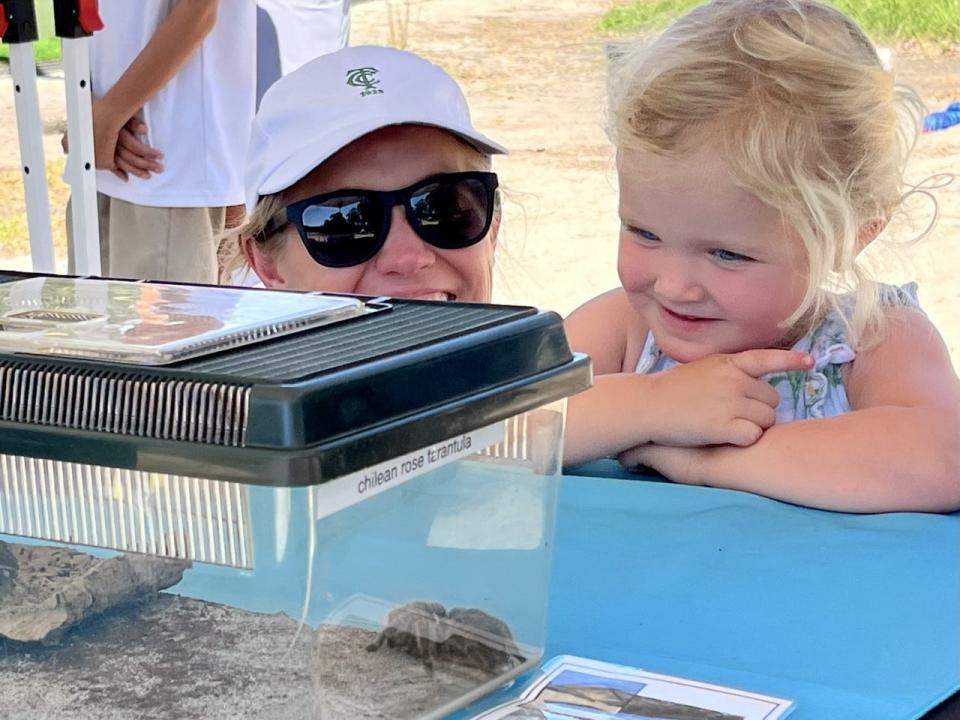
[[362, 484]]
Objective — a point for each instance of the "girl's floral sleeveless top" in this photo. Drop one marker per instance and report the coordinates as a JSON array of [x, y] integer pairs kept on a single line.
[[814, 393]]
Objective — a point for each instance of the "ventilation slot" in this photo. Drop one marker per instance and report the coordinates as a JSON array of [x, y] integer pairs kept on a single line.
[[214, 413], [127, 510]]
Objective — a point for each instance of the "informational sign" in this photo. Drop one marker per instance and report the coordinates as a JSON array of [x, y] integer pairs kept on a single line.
[[357, 486], [577, 688]]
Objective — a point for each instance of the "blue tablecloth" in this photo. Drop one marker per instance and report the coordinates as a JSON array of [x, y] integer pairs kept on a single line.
[[852, 616]]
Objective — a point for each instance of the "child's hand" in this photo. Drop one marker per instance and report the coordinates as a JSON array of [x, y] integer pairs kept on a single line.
[[679, 464], [133, 155], [720, 399], [117, 147], [106, 129]]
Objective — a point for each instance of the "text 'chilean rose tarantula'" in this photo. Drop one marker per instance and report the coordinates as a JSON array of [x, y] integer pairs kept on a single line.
[[468, 636]]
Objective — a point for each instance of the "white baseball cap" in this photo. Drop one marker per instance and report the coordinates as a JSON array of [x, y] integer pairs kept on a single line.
[[324, 105]]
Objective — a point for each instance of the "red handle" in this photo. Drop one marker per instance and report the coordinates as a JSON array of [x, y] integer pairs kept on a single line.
[[88, 15], [3, 21]]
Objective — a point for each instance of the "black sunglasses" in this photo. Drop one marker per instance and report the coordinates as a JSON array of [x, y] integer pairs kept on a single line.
[[348, 227]]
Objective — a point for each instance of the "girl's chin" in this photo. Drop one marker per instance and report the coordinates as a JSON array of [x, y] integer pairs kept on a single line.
[[682, 352], [688, 350]]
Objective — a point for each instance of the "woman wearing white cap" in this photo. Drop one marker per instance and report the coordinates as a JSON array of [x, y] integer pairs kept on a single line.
[[365, 175]]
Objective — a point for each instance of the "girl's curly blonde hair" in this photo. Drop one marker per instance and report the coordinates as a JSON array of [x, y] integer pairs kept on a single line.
[[794, 95]]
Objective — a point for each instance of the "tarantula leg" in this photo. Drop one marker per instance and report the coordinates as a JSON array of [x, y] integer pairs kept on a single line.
[[427, 662], [422, 646], [381, 638]]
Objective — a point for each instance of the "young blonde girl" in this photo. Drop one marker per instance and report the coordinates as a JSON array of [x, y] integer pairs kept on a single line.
[[760, 147]]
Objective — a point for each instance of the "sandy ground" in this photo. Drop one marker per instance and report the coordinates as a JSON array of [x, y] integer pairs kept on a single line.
[[533, 73]]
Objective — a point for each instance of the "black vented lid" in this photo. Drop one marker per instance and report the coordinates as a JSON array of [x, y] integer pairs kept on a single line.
[[301, 408]]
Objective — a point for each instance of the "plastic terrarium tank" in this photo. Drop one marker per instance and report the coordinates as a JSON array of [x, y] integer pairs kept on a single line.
[[373, 540]]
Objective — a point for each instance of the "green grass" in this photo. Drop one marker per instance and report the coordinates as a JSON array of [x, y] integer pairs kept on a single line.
[[643, 15], [43, 50], [45, 22], [924, 20]]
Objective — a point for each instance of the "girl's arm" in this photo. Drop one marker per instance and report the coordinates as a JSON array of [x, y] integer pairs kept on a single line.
[[717, 399], [898, 450], [602, 328], [597, 425]]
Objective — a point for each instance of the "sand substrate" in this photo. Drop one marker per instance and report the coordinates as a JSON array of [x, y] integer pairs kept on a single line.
[[166, 656]]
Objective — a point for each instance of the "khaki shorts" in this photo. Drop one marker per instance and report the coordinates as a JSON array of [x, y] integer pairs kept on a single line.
[[155, 243]]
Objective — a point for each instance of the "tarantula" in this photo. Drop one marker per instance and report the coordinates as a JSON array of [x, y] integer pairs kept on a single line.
[[416, 628], [467, 636], [478, 639]]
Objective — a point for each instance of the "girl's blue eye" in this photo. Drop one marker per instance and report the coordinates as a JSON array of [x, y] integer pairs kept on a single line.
[[729, 256], [642, 234]]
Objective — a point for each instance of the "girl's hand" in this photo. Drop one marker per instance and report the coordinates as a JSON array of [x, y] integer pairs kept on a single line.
[[720, 399], [679, 464]]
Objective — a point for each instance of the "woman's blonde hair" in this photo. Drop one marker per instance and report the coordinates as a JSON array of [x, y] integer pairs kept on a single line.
[[262, 226], [793, 93]]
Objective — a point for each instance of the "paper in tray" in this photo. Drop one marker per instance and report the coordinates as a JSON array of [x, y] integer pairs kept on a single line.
[[577, 688], [152, 323]]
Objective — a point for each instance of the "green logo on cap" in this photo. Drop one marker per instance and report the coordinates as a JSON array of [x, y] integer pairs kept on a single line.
[[364, 78]]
